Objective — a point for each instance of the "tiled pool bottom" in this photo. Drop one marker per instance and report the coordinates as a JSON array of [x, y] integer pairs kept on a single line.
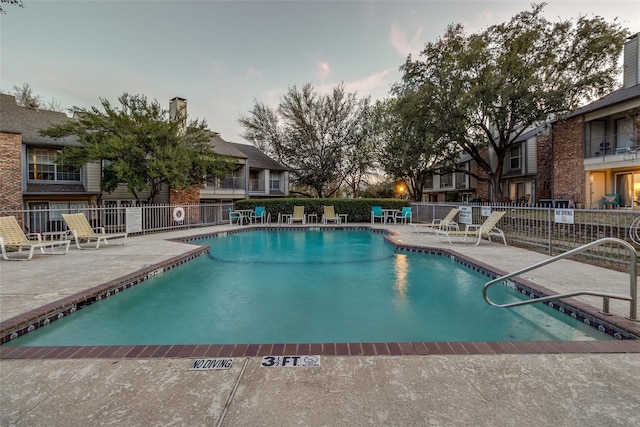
[[622, 329]]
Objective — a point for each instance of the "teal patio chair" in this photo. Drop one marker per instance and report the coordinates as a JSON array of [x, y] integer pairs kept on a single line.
[[376, 212], [405, 215], [259, 213], [235, 216]]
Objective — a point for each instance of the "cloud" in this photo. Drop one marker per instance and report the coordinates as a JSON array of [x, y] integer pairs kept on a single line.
[[375, 85], [323, 70], [403, 44]]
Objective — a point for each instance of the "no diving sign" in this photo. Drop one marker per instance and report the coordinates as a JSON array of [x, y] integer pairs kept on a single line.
[[213, 363], [564, 216], [290, 361]]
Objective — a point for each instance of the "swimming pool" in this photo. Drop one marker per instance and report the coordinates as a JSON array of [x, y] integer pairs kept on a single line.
[[295, 286]]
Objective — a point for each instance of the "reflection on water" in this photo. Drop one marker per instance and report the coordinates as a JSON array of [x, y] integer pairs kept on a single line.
[[401, 267]]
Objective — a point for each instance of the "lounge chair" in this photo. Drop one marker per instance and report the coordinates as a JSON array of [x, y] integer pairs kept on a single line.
[[487, 228], [376, 212], [259, 213], [446, 223], [12, 236], [298, 215], [235, 216], [330, 215], [82, 230], [404, 215]]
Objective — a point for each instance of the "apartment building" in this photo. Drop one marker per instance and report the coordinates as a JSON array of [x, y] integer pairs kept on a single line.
[[31, 179]]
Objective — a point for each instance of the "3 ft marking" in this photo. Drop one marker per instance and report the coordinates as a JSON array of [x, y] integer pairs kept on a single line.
[[207, 364], [290, 361]]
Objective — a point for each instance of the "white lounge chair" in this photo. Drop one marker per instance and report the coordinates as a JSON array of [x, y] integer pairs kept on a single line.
[[82, 230], [487, 228], [12, 236], [447, 223]]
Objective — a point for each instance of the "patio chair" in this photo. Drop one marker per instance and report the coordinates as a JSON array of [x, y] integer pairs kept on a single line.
[[403, 215], [82, 230], [12, 236], [259, 213], [298, 215], [446, 223], [330, 215], [611, 199], [487, 228], [235, 216], [376, 212]]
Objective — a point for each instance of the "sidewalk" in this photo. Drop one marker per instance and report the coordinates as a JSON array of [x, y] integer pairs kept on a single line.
[[588, 389]]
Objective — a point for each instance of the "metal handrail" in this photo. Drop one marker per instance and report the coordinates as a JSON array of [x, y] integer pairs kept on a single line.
[[633, 280]]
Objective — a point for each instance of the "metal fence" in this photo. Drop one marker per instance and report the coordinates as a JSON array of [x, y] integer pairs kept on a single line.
[[135, 220], [533, 228], [547, 230]]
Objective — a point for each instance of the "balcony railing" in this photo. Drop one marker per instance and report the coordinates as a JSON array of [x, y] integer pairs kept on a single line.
[[624, 143]]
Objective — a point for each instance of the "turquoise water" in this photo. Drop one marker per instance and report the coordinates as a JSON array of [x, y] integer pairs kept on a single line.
[[309, 286]]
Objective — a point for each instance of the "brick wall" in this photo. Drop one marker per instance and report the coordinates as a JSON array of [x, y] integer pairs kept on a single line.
[[10, 171], [186, 197], [544, 176], [568, 175], [482, 187]]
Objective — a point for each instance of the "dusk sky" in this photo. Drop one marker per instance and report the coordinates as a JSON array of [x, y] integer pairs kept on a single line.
[[222, 56]]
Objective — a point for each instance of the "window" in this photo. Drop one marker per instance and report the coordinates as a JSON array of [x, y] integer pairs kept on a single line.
[[43, 167], [446, 180], [516, 157], [428, 182], [461, 180], [274, 180]]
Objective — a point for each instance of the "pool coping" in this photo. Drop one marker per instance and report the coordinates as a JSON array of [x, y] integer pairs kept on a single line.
[[625, 330]]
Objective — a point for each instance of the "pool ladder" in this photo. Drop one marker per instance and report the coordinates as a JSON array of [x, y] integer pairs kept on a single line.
[[633, 280]]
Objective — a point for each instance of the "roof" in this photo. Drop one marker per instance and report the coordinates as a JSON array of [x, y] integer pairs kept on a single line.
[[257, 159], [29, 122], [615, 97], [225, 148], [533, 132]]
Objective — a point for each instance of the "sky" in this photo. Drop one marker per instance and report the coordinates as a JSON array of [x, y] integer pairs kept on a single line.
[[224, 56]]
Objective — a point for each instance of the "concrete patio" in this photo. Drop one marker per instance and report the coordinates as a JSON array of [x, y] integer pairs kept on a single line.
[[525, 389]]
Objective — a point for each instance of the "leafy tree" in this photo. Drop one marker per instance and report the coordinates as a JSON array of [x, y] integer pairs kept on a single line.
[[311, 134], [486, 89], [411, 149], [13, 2], [141, 146]]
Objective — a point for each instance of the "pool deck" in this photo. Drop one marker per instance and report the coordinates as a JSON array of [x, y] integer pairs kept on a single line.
[[444, 384]]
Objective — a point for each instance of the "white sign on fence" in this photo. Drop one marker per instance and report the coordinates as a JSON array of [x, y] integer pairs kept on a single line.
[[134, 220], [466, 214], [563, 216], [485, 210]]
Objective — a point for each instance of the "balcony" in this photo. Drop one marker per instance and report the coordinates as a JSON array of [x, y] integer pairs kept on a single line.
[[623, 146]]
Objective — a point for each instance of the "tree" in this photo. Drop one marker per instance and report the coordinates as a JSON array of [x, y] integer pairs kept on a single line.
[[486, 89], [13, 2], [412, 149], [141, 146], [25, 97], [311, 134]]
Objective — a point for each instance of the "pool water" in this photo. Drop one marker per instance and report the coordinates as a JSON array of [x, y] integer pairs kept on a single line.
[[296, 286]]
